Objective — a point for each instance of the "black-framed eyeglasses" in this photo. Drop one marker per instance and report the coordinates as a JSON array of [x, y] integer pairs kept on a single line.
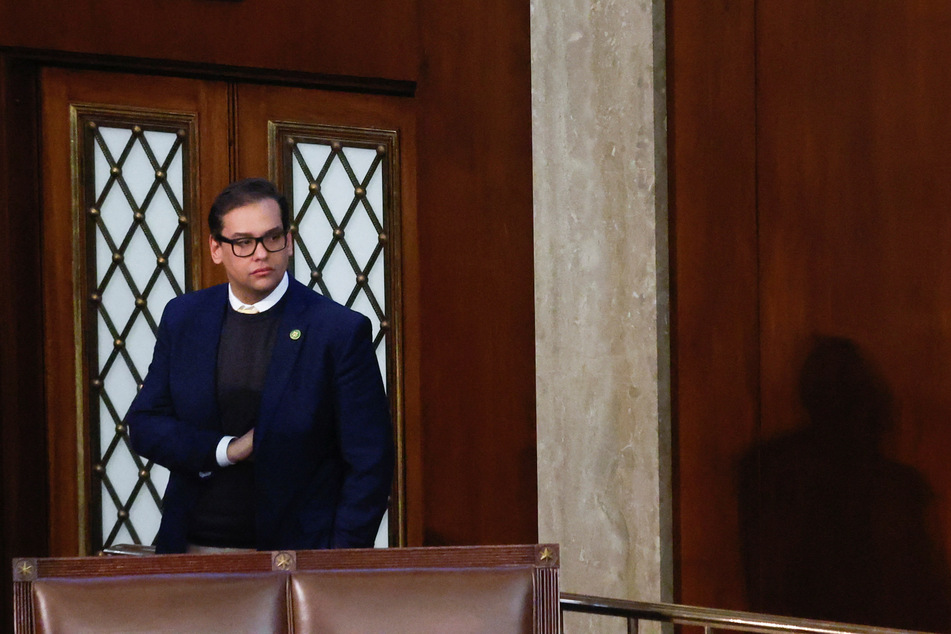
[[245, 247]]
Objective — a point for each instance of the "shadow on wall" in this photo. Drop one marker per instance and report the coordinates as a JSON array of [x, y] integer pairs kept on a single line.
[[832, 529]]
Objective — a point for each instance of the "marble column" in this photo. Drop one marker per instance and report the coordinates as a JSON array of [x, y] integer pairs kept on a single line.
[[601, 288]]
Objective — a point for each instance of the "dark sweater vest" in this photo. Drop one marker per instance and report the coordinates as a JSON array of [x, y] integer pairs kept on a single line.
[[224, 512]]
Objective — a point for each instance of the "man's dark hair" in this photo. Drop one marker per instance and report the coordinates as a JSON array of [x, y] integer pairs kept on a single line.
[[246, 192]]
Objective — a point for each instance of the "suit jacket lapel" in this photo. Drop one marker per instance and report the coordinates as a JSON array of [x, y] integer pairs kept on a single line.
[[287, 346], [200, 345]]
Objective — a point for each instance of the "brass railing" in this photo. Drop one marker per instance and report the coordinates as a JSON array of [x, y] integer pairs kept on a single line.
[[709, 619]]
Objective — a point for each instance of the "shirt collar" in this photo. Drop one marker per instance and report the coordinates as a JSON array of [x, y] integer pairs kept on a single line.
[[266, 303]]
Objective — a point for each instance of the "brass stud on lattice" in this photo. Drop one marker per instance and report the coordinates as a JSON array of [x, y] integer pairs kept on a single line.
[[316, 275], [361, 279], [359, 192], [141, 302], [138, 216], [95, 298], [143, 474], [338, 232], [314, 187], [123, 514], [382, 238], [97, 384], [381, 149], [98, 468], [118, 343], [182, 220], [336, 146], [159, 174], [120, 428], [91, 125], [291, 141], [181, 133], [160, 260], [136, 130], [384, 325], [116, 170], [117, 257], [93, 212]]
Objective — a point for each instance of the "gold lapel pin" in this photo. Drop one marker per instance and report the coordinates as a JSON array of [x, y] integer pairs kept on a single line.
[[295, 334]]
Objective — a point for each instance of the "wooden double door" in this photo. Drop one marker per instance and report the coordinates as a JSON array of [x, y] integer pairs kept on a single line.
[[131, 165]]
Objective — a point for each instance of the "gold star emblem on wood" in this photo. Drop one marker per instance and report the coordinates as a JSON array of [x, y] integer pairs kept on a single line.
[[283, 561], [25, 570]]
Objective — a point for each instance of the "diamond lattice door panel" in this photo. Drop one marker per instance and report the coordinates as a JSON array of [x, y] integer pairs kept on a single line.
[[340, 188], [136, 190]]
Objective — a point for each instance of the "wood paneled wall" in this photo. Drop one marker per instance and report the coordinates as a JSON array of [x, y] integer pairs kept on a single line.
[[811, 233], [714, 284], [359, 40], [477, 286]]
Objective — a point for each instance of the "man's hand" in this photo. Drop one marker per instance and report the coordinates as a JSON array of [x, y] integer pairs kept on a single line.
[[241, 448]]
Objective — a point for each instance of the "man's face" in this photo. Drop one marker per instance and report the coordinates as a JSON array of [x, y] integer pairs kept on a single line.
[[252, 278]]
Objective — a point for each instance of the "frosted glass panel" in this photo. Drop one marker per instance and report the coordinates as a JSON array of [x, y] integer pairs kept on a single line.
[[134, 187], [339, 251]]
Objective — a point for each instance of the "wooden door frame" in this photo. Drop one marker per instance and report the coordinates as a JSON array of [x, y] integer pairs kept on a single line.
[[71, 479], [259, 107]]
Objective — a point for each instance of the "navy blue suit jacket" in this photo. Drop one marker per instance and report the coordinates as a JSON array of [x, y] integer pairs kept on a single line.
[[323, 448]]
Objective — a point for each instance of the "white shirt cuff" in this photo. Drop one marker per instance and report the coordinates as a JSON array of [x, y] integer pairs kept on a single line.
[[221, 453]]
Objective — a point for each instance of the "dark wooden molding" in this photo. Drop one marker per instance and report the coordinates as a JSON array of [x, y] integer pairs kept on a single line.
[[244, 74], [23, 464]]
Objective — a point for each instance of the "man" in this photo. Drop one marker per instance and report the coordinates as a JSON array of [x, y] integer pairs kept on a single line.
[[264, 400]]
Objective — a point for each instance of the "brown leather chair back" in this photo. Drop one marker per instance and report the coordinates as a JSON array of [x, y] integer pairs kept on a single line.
[[473, 600], [183, 603], [496, 589]]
